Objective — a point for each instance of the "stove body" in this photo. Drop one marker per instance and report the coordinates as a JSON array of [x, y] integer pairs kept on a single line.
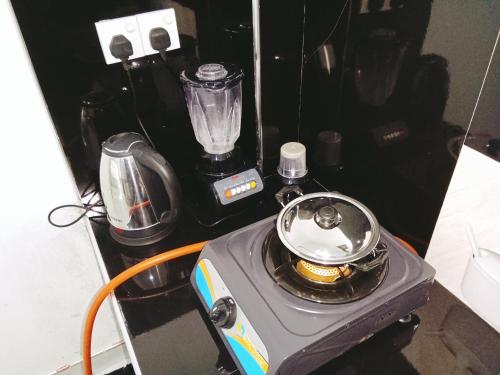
[[274, 332]]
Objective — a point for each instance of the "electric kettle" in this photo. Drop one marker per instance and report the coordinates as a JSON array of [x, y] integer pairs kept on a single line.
[[140, 190]]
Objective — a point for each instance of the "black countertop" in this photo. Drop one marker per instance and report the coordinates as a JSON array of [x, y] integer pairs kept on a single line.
[[170, 332]]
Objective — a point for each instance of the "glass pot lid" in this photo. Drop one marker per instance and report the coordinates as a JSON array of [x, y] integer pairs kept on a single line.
[[328, 228]]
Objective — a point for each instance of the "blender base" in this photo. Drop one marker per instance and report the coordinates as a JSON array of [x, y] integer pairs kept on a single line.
[[209, 203], [218, 166]]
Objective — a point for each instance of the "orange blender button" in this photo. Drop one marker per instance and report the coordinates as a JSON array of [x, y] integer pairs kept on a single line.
[[253, 184], [228, 193]]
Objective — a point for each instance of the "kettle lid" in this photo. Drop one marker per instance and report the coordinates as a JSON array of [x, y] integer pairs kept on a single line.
[[120, 144]]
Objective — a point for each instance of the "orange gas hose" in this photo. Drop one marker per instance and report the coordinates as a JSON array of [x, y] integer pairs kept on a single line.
[[108, 288], [407, 245]]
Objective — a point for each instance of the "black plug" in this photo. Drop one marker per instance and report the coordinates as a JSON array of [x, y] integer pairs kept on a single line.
[[120, 47], [159, 38]]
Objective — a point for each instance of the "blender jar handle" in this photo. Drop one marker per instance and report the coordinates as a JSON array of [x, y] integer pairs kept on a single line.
[[154, 161]]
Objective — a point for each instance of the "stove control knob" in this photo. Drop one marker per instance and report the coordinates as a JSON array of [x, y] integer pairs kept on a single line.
[[223, 312]]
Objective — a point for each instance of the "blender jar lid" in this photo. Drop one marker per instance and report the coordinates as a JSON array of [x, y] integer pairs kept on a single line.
[[328, 228], [211, 72], [212, 76]]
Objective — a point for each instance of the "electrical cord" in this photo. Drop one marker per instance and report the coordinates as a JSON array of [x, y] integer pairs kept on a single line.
[[126, 66], [163, 55], [94, 219], [121, 48], [86, 192], [115, 282], [306, 60], [86, 207]]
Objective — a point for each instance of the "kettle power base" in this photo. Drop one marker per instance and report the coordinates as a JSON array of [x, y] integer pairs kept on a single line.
[[141, 237], [275, 332]]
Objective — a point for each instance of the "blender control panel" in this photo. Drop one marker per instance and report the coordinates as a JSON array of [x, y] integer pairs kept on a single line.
[[238, 186]]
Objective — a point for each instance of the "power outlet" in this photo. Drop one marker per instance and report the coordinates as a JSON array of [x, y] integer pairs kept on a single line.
[[128, 27], [136, 29], [160, 18]]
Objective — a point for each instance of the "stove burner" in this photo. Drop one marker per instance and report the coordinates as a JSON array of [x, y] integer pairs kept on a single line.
[[294, 275], [320, 273]]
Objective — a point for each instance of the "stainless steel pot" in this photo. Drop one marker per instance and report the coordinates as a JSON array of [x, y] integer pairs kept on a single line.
[[329, 229]]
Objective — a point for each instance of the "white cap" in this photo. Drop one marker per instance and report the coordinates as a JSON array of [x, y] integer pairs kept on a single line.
[[292, 160]]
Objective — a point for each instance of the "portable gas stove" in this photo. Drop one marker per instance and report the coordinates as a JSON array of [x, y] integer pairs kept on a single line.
[[279, 313]]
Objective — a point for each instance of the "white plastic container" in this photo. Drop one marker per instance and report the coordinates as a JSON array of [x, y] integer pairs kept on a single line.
[[292, 161], [481, 283]]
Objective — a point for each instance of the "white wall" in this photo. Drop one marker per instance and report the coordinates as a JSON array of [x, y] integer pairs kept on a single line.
[[475, 25], [472, 204], [48, 274]]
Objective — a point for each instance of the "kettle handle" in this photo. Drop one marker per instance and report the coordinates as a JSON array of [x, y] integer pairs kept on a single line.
[[154, 161]]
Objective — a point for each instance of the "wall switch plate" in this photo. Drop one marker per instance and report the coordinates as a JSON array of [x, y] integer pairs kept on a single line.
[[127, 26], [160, 18], [136, 29]]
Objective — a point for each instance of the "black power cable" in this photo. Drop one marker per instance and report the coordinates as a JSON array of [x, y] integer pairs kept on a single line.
[[121, 48], [86, 207], [126, 66]]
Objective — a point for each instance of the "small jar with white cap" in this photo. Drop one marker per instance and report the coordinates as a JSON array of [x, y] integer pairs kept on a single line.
[[292, 167]]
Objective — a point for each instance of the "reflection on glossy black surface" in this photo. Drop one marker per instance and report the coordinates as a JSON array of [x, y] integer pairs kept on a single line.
[[168, 329], [367, 357], [377, 72], [386, 98], [363, 74], [168, 324], [175, 275], [388, 76]]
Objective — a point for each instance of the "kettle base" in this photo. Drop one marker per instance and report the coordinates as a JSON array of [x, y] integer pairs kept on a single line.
[[140, 237]]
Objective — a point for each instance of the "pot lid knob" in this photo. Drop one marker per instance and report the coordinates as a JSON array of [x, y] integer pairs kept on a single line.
[[327, 217]]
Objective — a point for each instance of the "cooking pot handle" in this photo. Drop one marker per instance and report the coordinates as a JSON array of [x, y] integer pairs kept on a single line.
[[287, 194], [154, 161], [381, 255]]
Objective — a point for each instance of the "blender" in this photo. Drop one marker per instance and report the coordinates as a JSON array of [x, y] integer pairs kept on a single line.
[[214, 100]]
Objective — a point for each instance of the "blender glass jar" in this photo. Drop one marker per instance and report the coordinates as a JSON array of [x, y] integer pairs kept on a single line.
[[213, 97]]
